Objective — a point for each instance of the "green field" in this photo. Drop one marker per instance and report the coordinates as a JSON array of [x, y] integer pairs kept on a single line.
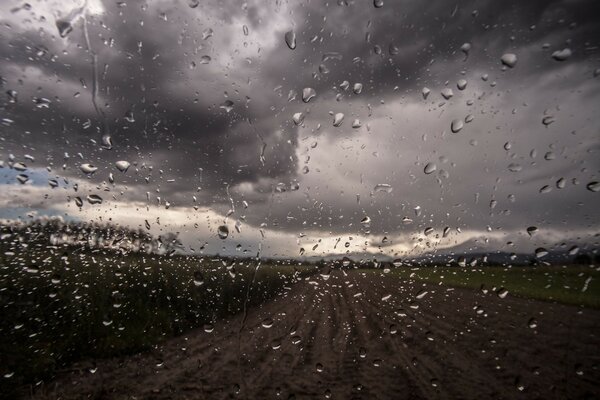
[[64, 305], [552, 283]]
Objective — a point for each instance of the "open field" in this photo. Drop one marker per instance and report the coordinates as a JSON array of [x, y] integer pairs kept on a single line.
[[363, 335], [576, 285], [63, 306]]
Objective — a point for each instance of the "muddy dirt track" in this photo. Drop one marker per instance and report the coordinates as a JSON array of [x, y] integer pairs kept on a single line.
[[364, 336]]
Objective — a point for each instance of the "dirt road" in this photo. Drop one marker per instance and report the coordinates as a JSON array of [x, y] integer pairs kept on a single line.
[[365, 336]]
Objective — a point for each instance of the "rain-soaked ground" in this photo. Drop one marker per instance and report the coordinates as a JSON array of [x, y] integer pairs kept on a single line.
[[359, 335]]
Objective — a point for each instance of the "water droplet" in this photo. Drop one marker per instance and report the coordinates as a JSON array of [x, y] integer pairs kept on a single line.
[[205, 60], [461, 84], [562, 55], [298, 118], [532, 230], [541, 252], [12, 96], [357, 88], [378, 3], [88, 168], [456, 125], [356, 123], [428, 231], [319, 367], [365, 221], [64, 27], [362, 352], [223, 231], [208, 32], [502, 293], [514, 167], [447, 93], [245, 30], [198, 278], [338, 119], [208, 328], [122, 165], [383, 187], [227, 105], [532, 323], [267, 323], [547, 120], [290, 39], [308, 94], [593, 186], [193, 3], [465, 48], [430, 168], [94, 199], [509, 59], [22, 178], [425, 92]]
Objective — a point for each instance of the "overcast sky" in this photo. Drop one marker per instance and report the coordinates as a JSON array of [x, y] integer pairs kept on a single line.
[[200, 97]]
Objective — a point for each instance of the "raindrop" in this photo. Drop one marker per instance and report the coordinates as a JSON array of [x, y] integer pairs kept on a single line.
[[298, 118], [122, 166], [267, 323], [357, 88], [378, 3], [198, 278], [429, 168], [461, 84], [509, 59], [465, 48], [205, 60], [425, 92], [227, 105], [88, 168], [514, 167], [308, 94], [290, 39], [22, 178], [541, 252], [532, 323], [547, 120], [208, 32], [383, 187], [456, 125], [94, 199], [223, 231], [562, 55], [338, 119], [532, 230], [593, 186], [447, 93], [356, 123]]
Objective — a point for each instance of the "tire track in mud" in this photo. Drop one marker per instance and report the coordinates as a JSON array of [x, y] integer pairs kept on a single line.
[[444, 348]]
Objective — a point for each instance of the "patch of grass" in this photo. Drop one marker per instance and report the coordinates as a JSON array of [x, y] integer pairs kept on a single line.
[[63, 305], [562, 284]]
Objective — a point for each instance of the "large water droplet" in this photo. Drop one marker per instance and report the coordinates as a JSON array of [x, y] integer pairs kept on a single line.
[[88, 168], [383, 187], [562, 55], [456, 125], [425, 92], [430, 168], [122, 165], [357, 88], [223, 231], [298, 118], [378, 3], [461, 84], [338, 119], [593, 186], [290, 39], [227, 105], [509, 59], [447, 93], [94, 199], [308, 94]]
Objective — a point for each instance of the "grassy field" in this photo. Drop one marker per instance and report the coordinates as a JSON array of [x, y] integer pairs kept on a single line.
[[575, 285], [60, 306]]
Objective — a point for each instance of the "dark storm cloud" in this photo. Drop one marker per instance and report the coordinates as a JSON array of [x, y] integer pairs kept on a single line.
[[154, 71]]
